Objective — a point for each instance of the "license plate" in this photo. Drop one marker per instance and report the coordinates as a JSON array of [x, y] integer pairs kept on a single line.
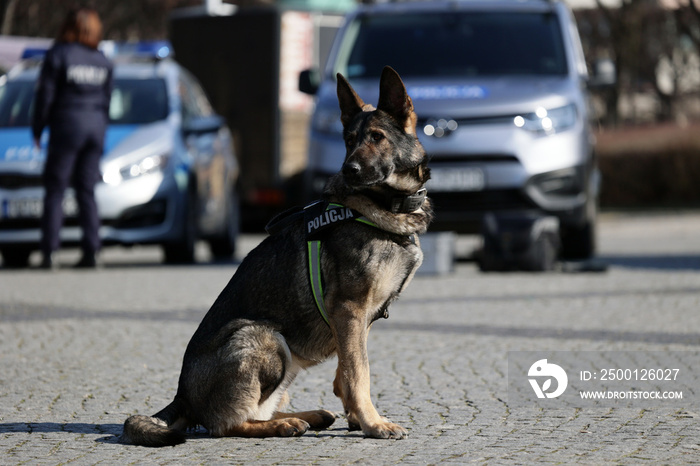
[[33, 208], [456, 179]]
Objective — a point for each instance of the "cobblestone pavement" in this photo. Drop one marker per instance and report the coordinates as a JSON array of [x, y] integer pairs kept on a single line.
[[79, 352]]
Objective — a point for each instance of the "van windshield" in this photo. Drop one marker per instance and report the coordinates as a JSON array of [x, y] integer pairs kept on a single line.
[[453, 44]]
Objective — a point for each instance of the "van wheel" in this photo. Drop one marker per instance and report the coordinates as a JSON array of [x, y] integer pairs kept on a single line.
[[16, 258], [578, 243]]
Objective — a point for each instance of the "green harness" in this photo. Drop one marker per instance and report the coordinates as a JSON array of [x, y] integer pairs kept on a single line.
[[314, 247], [322, 215], [318, 217]]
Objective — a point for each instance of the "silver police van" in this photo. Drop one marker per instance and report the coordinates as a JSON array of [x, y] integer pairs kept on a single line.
[[169, 171], [500, 90]]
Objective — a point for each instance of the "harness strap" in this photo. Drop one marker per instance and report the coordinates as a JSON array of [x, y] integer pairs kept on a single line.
[[314, 244], [318, 218], [315, 276]]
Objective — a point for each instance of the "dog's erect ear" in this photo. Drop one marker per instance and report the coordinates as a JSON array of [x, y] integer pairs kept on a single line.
[[350, 102], [394, 100]]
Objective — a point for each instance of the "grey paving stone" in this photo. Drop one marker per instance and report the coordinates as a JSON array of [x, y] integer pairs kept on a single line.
[[80, 352]]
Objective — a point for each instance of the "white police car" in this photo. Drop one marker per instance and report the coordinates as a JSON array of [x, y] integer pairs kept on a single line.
[[168, 172]]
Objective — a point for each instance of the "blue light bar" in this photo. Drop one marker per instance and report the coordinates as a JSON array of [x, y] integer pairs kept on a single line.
[[157, 49], [34, 52]]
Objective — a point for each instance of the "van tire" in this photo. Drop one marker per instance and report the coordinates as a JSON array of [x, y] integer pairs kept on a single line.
[[578, 243]]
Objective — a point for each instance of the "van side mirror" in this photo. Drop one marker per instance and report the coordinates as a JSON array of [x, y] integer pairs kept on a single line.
[[604, 74], [309, 81]]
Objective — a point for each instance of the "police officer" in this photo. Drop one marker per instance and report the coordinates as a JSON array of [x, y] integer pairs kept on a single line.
[[72, 99]]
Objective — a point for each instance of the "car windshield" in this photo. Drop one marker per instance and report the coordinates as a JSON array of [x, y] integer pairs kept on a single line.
[[138, 101], [16, 99], [453, 44], [134, 101]]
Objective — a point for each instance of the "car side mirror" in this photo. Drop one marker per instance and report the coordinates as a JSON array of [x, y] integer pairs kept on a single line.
[[309, 81], [201, 125], [604, 74]]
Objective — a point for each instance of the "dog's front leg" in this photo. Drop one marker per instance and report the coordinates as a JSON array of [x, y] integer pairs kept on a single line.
[[352, 383]]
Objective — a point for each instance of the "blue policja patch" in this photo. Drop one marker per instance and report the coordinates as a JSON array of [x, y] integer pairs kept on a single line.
[[447, 92]]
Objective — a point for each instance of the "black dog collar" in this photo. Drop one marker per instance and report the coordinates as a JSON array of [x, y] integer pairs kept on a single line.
[[407, 204], [399, 203]]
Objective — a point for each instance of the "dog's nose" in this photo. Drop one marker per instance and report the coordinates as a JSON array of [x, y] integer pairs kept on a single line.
[[351, 169]]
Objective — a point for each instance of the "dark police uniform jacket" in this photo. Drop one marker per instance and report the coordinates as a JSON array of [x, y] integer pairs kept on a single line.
[[72, 99], [74, 90]]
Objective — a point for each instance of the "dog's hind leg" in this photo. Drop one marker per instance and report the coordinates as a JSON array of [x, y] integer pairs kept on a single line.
[[317, 420], [237, 389], [281, 425], [288, 427]]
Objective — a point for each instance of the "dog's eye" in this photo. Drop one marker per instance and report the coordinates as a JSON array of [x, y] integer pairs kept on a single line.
[[376, 137], [350, 141]]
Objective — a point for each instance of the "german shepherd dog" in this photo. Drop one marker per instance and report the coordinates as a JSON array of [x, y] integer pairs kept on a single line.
[[265, 325]]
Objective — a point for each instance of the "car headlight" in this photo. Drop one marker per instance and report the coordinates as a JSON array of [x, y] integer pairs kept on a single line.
[[327, 120], [147, 165], [548, 121]]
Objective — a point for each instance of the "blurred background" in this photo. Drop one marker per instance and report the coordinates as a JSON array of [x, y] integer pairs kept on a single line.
[[647, 124]]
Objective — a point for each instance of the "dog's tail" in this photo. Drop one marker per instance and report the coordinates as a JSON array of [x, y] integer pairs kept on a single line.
[[156, 430]]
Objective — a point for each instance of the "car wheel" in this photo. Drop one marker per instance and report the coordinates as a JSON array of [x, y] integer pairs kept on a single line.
[[578, 243], [183, 250], [16, 258], [223, 247]]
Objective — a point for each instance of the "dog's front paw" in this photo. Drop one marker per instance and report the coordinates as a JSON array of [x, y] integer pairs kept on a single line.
[[385, 430], [292, 427]]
